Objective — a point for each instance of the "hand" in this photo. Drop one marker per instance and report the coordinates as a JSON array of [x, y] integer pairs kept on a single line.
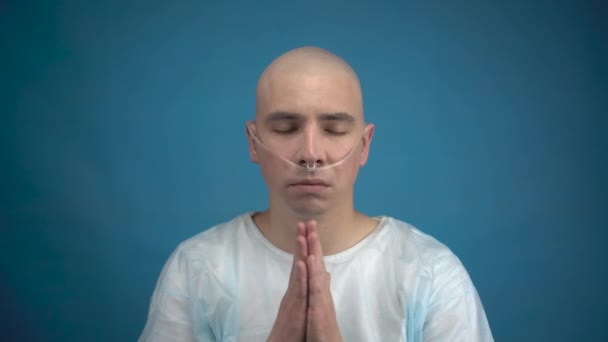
[[290, 324], [322, 324]]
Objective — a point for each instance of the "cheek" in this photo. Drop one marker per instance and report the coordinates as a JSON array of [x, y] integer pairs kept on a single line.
[[273, 170], [346, 174], [353, 173], [269, 177], [354, 167], [266, 166]]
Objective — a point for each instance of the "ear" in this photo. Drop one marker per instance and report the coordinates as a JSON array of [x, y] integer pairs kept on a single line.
[[253, 153], [368, 134]]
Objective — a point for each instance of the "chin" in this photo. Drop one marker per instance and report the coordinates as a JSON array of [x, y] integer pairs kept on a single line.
[[309, 210]]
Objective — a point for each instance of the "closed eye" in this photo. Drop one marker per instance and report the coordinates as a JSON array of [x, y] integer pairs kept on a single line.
[[335, 132], [286, 130]]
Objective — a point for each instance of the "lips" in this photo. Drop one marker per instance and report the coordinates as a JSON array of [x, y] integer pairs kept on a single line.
[[310, 186], [317, 182]]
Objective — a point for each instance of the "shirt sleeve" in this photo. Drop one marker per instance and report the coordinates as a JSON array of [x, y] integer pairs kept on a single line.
[[171, 315], [455, 310]]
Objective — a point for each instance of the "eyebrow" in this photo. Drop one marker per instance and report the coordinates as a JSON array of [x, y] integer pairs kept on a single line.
[[344, 117], [283, 116], [290, 116]]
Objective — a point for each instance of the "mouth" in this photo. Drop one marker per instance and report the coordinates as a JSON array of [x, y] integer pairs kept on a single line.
[[310, 185], [311, 182]]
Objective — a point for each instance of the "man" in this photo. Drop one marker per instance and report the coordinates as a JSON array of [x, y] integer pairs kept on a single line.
[[311, 267]]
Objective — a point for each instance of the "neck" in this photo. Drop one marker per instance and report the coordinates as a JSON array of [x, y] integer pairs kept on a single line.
[[339, 228]]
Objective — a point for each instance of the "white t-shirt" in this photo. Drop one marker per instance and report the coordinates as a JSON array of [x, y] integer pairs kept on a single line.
[[397, 284]]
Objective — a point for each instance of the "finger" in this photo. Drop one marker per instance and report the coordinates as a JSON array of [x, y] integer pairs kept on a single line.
[[292, 274], [300, 251], [301, 229], [301, 282], [314, 281], [314, 244], [302, 244]]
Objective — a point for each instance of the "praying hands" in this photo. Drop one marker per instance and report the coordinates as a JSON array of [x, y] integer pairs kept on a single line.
[[307, 310]]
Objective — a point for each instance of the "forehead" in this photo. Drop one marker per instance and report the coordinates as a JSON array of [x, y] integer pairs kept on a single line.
[[309, 94]]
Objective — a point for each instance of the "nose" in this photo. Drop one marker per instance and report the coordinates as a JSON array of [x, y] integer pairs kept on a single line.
[[310, 151]]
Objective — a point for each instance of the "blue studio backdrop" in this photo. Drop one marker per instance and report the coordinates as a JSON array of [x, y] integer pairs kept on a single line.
[[122, 133]]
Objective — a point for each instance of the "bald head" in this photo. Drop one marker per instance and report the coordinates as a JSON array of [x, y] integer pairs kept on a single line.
[[300, 74]]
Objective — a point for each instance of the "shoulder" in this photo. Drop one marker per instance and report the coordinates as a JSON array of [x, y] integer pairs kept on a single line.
[[438, 261], [210, 248], [216, 239], [415, 250], [212, 237], [410, 243]]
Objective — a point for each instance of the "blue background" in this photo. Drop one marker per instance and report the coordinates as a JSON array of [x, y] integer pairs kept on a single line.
[[122, 134]]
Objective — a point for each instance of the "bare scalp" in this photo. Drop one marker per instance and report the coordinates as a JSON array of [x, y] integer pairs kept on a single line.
[[305, 62]]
